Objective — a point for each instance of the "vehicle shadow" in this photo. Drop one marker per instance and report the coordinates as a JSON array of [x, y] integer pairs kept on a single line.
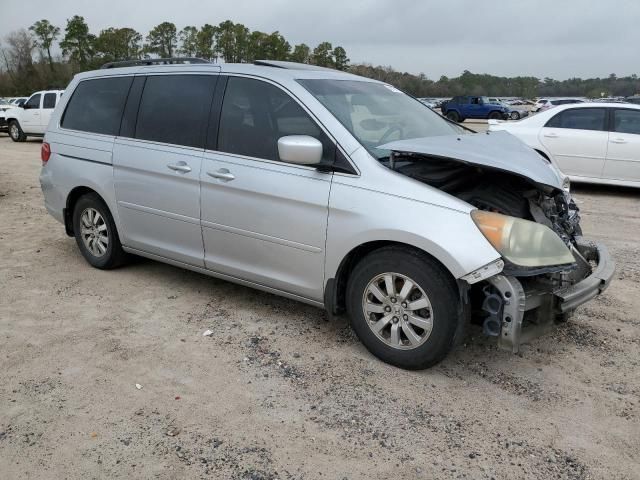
[[592, 189]]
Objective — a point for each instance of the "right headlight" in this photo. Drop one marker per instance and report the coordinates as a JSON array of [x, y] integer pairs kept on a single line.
[[521, 242]]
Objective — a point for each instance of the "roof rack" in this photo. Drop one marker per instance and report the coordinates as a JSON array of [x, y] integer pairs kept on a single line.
[[154, 61], [289, 65]]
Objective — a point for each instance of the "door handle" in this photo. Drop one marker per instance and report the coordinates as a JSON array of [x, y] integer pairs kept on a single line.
[[181, 167], [222, 174], [618, 140], [551, 135]]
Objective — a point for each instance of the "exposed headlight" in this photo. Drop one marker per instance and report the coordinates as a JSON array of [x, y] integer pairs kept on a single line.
[[566, 184], [521, 242]]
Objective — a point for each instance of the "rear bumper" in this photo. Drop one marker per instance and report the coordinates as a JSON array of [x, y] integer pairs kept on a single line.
[[530, 308]]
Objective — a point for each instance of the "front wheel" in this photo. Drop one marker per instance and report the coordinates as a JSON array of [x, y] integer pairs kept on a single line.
[[96, 233], [404, 307], [453, 116], [495, 116], [515, 116], [15, 132]]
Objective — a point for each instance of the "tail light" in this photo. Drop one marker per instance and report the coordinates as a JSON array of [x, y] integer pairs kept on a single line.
[[45, 152]]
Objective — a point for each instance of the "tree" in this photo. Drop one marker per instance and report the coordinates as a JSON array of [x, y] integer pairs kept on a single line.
[[189, 41], [78, 43], [18, 60], [277, 48], [205, 42], [119, 44], [301, 53], [322, 55], [225, 40], [340, 58], [45, 36], [162, 40], [232, 41]]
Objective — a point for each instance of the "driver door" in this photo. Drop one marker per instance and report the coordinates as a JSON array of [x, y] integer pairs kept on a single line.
[[263, 220], [30, 117]]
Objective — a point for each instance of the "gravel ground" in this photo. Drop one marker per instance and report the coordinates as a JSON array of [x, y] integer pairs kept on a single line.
[[280, 390]]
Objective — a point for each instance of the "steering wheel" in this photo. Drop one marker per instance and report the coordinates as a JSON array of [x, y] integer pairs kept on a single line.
[[392, 129]]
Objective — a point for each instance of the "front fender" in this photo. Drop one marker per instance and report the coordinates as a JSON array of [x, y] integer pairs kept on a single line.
[[358, 216]]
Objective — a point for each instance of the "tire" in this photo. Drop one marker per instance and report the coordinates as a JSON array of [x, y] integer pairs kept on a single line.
[[101, 254], [460, 120], [15, 132], [495, 116], [515, 116], [441, 317], [453, 116]]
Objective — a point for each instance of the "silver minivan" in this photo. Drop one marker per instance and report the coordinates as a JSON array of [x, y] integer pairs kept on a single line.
[[324, 187]]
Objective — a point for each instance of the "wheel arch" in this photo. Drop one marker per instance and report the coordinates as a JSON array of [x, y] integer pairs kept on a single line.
[[336, 287], [72, 198], [544, 154]]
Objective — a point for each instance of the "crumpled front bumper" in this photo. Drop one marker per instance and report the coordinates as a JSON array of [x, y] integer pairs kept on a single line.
[[529, 308]]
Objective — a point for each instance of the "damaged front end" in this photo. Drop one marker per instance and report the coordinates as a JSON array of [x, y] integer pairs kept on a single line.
[[523, 207]]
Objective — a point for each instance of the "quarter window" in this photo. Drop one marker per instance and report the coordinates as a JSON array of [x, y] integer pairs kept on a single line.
[[626, 121], [96, 105], [579, 119], [255, 114], [174, 109], [33, 102], [49, 100]]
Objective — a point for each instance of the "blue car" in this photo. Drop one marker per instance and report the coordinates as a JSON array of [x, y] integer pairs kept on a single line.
[[458, 109]]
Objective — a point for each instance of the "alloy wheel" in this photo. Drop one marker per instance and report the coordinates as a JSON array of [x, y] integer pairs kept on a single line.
[[397, 311], [94, 232]]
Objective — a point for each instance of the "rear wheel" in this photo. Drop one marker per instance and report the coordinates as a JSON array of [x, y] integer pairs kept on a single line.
[[96, 233], [15, 132], [404, 307], [453, 116], [515, 116]]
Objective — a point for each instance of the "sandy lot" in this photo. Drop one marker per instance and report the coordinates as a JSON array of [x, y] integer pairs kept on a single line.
[[280, 390]]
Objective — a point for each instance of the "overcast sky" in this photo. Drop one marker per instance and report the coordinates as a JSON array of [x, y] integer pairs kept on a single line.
[[543, 38]]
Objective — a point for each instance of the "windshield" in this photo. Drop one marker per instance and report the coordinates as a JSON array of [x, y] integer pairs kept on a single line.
[[376, 114]]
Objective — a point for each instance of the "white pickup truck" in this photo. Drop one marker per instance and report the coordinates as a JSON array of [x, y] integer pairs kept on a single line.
[[32, 118]]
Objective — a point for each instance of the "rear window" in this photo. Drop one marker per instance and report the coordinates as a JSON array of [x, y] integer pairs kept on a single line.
[[49, 100], [96, 105], [579, 119], [174, 109], [626, 121]]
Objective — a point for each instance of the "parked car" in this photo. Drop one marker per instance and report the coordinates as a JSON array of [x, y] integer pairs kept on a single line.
[[18, 101], [324, 187], [589, 142], [458, 109], [633, 99], [32, 118], [542, 105], [429, 102], [514, 112]]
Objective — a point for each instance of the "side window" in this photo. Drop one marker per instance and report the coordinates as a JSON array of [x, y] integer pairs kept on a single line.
[[96, 105], [579, 119], [49, 100], [33, 102], [255, 114], [626, 121], [174, 109]]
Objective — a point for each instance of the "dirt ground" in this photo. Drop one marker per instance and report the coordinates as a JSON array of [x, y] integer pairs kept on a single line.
[[282, 391]]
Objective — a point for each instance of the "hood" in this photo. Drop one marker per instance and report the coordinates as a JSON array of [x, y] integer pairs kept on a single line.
[[499, 150]]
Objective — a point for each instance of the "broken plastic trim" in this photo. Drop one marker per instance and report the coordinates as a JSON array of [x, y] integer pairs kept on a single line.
[[482, 273], [518, 271]]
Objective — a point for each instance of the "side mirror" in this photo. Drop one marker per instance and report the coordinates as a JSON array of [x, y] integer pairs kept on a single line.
[[300, 149]]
